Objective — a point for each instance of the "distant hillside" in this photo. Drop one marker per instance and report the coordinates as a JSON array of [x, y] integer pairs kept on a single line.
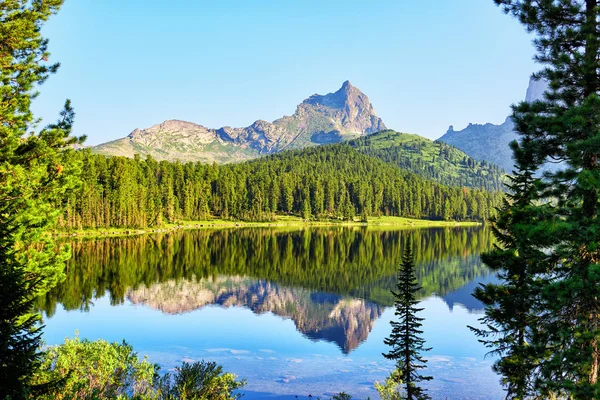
[[489, 142], [432, 160], [332, 118]]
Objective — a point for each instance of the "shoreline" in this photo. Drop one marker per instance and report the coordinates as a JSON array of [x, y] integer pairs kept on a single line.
[[386, 222]]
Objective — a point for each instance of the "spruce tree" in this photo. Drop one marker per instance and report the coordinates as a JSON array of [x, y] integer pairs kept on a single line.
[[565, 127], [405, 339], [512, 306], [35, 174], [19, 333]]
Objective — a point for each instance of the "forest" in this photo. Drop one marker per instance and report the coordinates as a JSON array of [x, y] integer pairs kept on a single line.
[[333, 181], [435, 161]]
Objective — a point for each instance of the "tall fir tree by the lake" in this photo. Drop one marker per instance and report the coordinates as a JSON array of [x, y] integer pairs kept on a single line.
[[563, 231], [35, 176], [406, 337]]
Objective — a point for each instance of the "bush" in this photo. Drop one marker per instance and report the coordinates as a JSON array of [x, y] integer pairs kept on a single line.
[[199, 381], [82, 369], [391, 388], [95, 370]]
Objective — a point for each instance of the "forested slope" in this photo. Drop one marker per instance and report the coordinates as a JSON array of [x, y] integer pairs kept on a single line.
[[432, 160], [325, 181]]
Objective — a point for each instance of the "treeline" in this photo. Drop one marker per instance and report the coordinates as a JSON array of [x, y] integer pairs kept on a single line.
[[321, 182], [436, 161]]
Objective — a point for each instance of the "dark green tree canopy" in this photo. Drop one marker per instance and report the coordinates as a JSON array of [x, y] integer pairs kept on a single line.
[[35, 174], [549, 228], [333, 181]]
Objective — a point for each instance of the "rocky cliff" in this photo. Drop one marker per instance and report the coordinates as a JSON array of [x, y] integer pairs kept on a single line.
[[489, 142]]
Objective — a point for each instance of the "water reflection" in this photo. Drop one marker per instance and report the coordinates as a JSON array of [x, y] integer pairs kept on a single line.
[[464, 297], [339, 319], [332, 283]]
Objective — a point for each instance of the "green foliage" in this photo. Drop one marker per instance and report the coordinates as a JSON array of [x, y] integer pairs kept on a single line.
[[200, 381], [96, 370], [35, 173], [513, 306], [561, 229], [431, 160], [359, 263], [19, 334], [405, 339], [122, 192], [391, 389]]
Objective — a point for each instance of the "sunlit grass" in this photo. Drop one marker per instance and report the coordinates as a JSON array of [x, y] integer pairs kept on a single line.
[[289, 222]]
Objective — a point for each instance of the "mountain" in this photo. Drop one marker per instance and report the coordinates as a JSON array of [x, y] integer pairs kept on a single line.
[[486, 142], [320, 119], [489, 142], [432, 160]]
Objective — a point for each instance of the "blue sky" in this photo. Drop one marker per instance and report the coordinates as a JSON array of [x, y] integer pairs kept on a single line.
[[425, 64]]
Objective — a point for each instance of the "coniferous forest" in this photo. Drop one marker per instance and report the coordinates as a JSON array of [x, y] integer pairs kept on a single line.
[[327, 181]]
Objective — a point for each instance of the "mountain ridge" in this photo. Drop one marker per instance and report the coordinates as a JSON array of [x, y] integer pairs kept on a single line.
[[319, 119], [490, 142]]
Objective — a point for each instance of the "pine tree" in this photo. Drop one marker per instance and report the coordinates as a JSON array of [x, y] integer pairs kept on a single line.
[[405, 339], [512, 306], [565, 127], [35, 175]]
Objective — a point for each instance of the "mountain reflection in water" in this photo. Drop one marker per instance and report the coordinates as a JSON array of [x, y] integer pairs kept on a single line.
[[333, 283], [345, 321]]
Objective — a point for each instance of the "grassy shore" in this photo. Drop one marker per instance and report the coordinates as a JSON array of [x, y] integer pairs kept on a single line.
[[281, 221]]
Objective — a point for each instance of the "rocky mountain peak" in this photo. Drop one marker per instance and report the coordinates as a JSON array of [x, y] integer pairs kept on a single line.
[[174, 125], [490, 142], [171, 125], [536, 89], [346, 97], [349, 109], [320, 119]]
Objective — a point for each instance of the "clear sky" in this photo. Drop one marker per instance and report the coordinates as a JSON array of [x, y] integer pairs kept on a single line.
[[425, 64]]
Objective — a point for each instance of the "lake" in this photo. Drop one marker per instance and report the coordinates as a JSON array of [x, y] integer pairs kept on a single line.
[[293, 311]]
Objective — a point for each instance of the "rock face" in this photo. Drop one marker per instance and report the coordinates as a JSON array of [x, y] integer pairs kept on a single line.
[[320, 316], [536, 90], [319, 119], [489, 142]]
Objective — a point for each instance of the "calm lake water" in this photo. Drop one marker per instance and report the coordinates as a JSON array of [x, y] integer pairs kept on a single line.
[[295, 312]]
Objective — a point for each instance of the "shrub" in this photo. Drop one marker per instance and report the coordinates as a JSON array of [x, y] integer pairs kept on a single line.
[[97, 370]]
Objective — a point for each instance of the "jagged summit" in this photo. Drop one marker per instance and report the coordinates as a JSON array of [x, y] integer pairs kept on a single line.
[[490, 142], [344, 96], [347, 97], [345, 113], [536, 90]]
